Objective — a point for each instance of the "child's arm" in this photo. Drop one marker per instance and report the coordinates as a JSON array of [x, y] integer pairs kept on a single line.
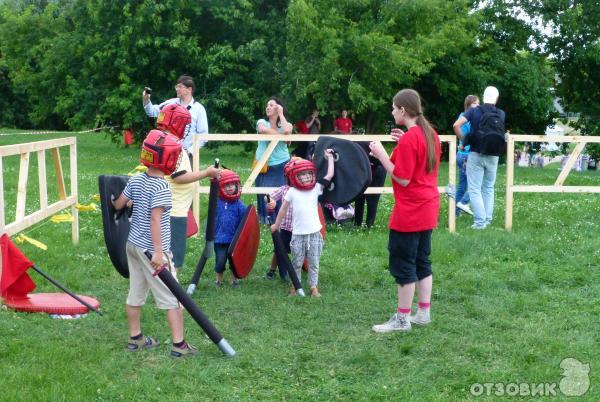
[[190, 177], [280, 215], [120, 202], [330, 168], [157, 255], [272, 199], [378, 151]]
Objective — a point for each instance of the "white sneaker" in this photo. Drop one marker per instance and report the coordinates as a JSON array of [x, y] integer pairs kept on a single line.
[[464, 207], [421, 318], [398, 322]]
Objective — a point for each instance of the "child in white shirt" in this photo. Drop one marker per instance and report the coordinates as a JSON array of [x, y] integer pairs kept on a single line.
[[303, 196]]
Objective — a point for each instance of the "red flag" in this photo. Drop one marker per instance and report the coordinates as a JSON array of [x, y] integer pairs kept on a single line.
[[14, 281]]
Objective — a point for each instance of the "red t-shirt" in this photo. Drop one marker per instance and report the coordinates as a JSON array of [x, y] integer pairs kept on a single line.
[[343, 124], [302, 127], [417, 205]]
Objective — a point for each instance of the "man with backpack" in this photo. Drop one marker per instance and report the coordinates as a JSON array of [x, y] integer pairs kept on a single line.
[[487, 140]]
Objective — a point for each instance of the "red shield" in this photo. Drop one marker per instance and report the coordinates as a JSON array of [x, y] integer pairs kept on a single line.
[[192, 226], [322, 219], [244, 246]]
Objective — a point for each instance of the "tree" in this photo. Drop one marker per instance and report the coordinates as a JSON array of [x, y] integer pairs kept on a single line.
[[357, 54], [574, 46]]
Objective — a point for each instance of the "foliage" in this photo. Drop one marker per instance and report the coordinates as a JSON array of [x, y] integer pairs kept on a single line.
[[574, 45], [356, 55], [80, 64]]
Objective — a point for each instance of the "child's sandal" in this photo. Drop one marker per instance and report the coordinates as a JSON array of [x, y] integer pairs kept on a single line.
[[144, 343]]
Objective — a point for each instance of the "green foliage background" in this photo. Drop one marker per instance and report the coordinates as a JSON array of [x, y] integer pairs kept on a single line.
[[73, 64]]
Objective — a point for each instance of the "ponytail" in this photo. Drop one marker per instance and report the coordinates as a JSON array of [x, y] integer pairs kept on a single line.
[[430, 140]]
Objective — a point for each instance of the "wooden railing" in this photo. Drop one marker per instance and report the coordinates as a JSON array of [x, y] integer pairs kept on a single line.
[[249, 188], [45, 210], [558, 186]]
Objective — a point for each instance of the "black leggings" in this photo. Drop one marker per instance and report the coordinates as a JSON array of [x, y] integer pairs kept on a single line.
[[378, 175]]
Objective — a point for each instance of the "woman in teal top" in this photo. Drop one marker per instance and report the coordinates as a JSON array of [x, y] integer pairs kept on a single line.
[[274, 123]]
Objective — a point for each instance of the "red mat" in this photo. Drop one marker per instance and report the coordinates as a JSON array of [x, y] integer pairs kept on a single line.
[[51, 303]]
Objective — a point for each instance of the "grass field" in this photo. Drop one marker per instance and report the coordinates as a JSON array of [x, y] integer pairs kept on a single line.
[[507, 307]]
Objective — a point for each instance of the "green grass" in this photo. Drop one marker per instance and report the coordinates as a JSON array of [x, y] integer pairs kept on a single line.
[[507, 307]]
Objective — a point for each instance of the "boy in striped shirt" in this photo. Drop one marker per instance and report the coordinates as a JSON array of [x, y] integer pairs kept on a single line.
[[150, 230]]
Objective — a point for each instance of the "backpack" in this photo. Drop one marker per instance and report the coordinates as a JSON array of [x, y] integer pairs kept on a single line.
[[490, 132]]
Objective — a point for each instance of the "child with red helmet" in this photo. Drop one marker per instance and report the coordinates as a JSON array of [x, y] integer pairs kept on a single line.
[[150, 230], [303, 196], [173, 119], [230, 212]]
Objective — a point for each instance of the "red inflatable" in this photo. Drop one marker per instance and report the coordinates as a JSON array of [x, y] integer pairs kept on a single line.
[[16, 285], [51, 303], [244, 247]]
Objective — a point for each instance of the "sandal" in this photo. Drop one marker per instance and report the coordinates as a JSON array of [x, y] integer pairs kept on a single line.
[[144, 343]]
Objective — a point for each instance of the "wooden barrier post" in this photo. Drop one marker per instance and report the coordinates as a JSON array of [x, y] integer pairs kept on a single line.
[[558, 186], [45, 210]]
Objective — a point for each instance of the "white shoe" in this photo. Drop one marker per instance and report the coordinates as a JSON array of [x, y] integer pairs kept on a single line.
[[464, 207], [398, 322], [421, 318]]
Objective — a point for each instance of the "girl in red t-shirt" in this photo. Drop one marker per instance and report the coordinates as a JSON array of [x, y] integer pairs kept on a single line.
[[414, 168]]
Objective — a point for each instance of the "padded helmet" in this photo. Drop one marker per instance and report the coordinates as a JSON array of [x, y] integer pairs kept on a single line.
[[294, 167], [228, 177], [161, 150], [173, 118]]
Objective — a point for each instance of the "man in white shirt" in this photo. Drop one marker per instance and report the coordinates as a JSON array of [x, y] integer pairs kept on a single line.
[[185, 90]]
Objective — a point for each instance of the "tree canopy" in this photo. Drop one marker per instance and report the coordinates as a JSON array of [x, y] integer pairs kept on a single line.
[[71, 64]]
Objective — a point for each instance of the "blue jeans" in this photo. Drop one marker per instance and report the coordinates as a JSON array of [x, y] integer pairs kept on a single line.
[[481, 176], [221, 257], [462, 195]]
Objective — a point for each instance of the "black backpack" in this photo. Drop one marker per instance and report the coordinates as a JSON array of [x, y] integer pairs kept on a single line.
[[490, 132]]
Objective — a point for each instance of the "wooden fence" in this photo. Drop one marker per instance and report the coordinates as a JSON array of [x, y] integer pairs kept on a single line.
[[45, 210], [558, 186], [249, 188]]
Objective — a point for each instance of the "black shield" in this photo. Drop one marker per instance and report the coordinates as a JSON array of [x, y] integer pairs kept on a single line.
[[352, 173], [116, 223]]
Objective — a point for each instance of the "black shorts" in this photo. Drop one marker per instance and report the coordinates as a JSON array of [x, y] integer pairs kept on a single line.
[[409, 256]]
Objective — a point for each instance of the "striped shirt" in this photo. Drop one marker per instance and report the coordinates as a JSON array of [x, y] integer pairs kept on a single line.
[[148, 192], [278, 194]]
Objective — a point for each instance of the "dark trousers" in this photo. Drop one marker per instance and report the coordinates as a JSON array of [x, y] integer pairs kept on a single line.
[[221, 257], [378, 175], [409, 256]]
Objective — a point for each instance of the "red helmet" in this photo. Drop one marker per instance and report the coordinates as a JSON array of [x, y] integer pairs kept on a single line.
[[294, 167], [173, 118], [161, 150], [228, 177]]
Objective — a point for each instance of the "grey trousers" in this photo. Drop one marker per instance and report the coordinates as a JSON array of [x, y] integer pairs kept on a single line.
[[307, 246]]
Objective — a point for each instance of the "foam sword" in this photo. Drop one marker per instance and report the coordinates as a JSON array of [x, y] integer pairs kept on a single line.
[[282, 258], [191, 307], [209, 245]]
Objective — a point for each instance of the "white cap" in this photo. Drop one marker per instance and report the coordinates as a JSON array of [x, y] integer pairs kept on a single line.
[[490, 95]]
